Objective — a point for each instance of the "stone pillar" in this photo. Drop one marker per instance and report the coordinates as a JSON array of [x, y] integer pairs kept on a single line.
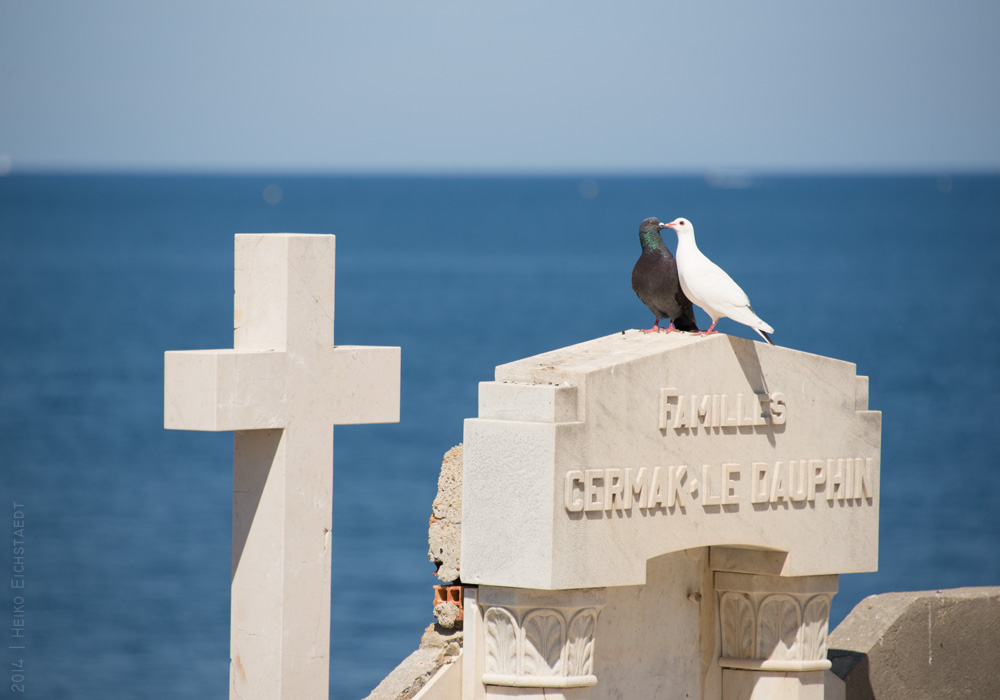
[[774, 631], [537, 642]]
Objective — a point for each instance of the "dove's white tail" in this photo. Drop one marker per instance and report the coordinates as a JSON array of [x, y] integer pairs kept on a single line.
[[747, 317]]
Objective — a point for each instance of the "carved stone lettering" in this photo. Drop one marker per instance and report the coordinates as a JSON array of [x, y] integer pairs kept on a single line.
[[636, 487], [677, 477], [689, 414], [574, 491], [614, 492], [837, 482], [711, 494], [593, 499]]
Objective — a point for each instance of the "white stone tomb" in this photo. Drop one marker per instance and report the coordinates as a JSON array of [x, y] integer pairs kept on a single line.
[[664, 516], [281, 389]]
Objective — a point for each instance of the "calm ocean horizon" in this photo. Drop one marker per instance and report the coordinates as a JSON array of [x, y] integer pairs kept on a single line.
[[126, 527]]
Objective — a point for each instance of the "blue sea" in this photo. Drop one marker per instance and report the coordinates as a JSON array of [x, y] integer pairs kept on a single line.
[[126, 527]]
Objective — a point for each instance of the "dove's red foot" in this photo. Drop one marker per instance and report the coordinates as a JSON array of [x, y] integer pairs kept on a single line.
[[711, 330]]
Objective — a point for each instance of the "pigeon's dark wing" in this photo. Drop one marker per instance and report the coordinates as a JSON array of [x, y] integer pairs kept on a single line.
[[684, 321], [654, 280]]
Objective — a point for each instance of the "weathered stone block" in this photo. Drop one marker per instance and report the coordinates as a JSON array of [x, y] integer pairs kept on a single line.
[[588, 461], [444, 535], [921, 646]]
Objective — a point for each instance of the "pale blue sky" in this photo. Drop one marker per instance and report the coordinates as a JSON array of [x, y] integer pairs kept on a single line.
[[549, 85]]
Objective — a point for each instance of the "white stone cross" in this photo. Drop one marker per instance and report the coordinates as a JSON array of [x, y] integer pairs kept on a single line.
[[281, 389]]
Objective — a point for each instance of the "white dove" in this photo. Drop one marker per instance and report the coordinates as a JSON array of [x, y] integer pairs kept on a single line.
[[708, 285]]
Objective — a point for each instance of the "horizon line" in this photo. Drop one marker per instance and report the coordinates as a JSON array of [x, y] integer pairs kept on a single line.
[[721, 174]]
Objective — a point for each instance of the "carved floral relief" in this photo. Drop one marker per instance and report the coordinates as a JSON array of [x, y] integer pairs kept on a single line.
[[774, 627], [539, 647]]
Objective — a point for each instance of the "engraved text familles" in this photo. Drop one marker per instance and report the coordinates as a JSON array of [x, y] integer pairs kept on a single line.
[[686, 413]]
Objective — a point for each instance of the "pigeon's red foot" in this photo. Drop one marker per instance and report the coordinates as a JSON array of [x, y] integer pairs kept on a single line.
[[670, 328], [654, 329]]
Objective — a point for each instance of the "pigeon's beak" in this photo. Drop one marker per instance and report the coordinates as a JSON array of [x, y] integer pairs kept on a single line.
[[663, 226]]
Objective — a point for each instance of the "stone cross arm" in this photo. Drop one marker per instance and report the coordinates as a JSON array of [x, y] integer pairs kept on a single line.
[[284, 366], [220, 390]]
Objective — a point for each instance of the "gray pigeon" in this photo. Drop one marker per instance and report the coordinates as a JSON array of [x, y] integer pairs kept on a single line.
[[654, 280]]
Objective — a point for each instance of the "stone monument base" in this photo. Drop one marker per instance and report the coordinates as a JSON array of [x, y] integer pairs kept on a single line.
[[926, 644]]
